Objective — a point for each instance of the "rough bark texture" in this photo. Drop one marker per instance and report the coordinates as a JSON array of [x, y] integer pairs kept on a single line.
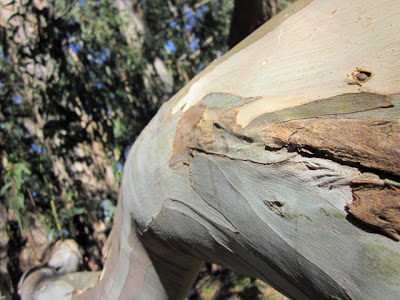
[[280, 161]]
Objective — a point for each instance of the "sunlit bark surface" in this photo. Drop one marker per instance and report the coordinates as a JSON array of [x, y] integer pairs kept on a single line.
[[280, 161]]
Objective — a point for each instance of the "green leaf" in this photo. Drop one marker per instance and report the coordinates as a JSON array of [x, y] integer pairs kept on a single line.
[[19, 173], [108, 71], [74, 211], [43, 21], [5, 126], [20, 201], [5, 188]]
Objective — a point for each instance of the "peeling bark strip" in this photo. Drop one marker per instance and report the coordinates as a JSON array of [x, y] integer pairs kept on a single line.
[[324, 128], [371, 144], [184, 136], [378, 207]]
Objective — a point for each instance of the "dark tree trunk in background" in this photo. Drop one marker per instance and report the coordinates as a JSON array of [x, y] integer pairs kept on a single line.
[[248, 15], [134, 30]]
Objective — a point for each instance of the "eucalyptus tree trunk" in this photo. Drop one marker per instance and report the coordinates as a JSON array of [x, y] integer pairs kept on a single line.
[[280, 161]]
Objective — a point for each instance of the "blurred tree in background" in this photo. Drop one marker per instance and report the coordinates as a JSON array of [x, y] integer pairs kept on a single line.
[[79, 80]]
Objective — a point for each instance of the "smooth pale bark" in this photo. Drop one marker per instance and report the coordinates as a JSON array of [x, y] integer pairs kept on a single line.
[[280, 161]]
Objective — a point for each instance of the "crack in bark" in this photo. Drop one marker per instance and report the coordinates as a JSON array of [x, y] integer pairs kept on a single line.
[[239, 158], [203, 216]]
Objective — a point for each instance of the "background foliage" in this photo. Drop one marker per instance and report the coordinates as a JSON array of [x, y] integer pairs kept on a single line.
[[78, 77]]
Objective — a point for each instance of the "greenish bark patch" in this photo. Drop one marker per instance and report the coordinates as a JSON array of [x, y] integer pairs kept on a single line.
[[383, 261], [297, 216], [331, 214], [225, 101], [365, 104]]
